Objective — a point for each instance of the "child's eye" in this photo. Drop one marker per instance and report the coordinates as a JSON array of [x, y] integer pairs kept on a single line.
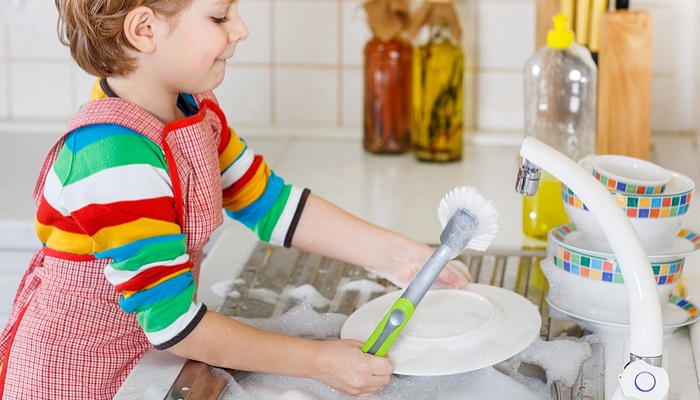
[[219, 20]]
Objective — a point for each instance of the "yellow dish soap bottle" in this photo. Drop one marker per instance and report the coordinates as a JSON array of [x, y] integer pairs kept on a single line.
[[560, 110]]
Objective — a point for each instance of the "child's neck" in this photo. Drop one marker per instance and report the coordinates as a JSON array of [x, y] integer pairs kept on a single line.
[[160, 103]]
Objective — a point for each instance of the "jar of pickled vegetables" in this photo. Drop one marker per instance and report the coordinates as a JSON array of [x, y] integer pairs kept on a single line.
[[387, 95], [387, 78]]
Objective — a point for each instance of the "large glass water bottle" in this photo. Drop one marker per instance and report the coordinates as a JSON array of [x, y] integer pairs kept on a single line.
[[560, 110]]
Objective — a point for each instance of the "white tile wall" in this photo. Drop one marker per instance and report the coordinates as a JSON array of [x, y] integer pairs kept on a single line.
[[3, 38], [352, 100], [246, 95], [354, 33], [4, 71], [258, 17], [500, 48], [40, 89], [674, 101], [302, 65], [4, 90], [694, 10], [33, 36], [83, 84], [306, 95], [306, 32]]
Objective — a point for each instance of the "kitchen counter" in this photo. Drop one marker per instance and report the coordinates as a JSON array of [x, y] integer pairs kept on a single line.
[[396, 192]]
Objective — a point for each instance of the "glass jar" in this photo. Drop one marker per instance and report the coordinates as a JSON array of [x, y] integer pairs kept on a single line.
[[438, 75], [387, 96]]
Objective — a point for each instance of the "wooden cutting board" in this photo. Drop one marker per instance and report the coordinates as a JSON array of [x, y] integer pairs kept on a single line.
[[624, 84], [546, 10]]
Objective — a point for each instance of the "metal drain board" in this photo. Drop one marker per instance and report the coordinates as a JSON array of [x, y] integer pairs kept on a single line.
[[278, 270], [271, 274]]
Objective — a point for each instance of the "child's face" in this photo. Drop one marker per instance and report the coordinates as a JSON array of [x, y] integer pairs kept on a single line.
[[193, 54]]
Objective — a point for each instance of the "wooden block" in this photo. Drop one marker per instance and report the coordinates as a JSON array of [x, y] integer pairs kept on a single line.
[[546, 10], [624, 84]]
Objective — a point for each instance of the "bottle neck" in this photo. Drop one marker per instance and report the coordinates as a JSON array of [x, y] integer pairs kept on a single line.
[[441, 34]]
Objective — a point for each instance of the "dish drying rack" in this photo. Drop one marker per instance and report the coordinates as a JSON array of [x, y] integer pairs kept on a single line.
[[276, 270]]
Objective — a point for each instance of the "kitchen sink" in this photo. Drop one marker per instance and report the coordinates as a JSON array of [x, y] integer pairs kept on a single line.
[[261, 291]]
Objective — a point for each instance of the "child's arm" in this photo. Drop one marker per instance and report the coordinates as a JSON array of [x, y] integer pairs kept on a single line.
[[328, 230], [151, 269], [109, 196], [286, 215], [341, 364]]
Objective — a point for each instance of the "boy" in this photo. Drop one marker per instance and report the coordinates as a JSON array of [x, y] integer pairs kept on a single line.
[[128, 197]]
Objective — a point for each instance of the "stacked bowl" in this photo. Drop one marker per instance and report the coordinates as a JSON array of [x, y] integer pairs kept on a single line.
[[585, 281]]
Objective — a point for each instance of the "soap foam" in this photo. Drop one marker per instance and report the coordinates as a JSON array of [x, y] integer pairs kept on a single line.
[[309, 295], [561, 359], [484, 384]]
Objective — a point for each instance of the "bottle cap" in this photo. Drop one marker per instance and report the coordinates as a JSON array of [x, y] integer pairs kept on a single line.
[[560, 37]]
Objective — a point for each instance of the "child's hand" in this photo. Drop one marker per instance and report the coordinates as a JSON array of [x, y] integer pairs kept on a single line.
[[455, 275], [346, 368]]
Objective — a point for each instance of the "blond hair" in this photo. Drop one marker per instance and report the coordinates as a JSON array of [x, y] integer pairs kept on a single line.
[[94, 31]]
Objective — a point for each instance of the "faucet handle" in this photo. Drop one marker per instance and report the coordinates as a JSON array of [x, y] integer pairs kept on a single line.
[[640, 380]]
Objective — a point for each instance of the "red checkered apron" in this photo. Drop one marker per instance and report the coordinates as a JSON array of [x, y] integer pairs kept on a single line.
[[66, 337]]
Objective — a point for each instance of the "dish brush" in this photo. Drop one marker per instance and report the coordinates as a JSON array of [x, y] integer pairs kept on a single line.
[[469, 221]]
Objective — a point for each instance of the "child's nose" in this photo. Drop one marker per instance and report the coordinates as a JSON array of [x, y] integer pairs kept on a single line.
[[239, 33]]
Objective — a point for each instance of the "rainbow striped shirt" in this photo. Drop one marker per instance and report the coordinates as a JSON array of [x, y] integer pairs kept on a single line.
[[109, 196]]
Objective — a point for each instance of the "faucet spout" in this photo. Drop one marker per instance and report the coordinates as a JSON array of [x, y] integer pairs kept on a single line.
[[528, 178], [646, 326]]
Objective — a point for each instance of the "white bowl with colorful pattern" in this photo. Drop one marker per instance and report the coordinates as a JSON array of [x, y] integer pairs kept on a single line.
[[657, 218], [589, 283], [628, 174]]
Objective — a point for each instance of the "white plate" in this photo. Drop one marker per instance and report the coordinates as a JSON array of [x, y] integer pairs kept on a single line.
[[453, 331], [675, 313]]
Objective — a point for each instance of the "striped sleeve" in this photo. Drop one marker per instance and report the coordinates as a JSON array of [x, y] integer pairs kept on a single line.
[[109, 195], [255, 196]]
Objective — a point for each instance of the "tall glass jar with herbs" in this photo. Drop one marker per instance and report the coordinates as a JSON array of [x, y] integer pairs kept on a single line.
[[438, 77], [387, 78]]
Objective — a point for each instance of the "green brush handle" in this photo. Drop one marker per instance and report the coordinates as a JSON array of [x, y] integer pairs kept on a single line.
[[389, 329]]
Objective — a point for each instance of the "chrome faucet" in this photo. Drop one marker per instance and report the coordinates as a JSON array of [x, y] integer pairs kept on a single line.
[[643, 376], [528, 178]]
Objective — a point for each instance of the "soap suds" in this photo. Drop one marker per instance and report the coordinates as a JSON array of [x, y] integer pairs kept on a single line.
[[301, 321], [223, 288], [309, 295], [561, 359]]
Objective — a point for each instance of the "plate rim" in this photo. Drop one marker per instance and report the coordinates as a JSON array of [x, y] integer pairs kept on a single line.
[[587, 165], [683, 236], [470, 362], [689, 321]]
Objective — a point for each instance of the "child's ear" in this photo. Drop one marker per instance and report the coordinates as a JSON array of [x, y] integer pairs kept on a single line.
[[139, 27]]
